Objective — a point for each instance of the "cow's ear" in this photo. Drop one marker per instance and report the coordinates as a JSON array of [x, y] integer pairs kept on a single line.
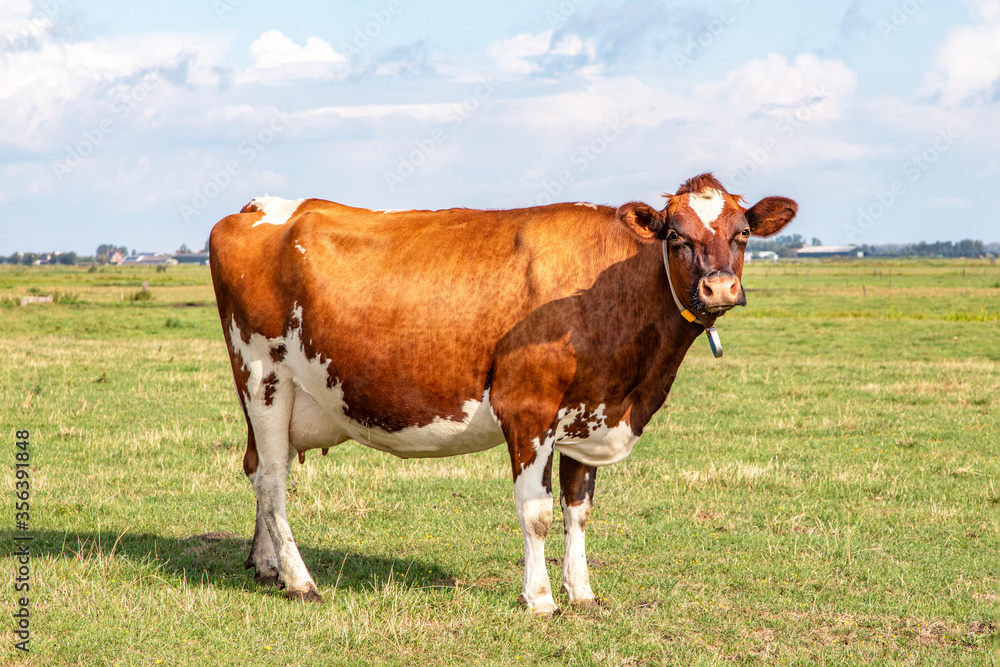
[[770, 215], [642, 220]]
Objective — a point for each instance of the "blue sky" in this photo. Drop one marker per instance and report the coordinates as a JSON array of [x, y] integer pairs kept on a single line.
[[141, 124]]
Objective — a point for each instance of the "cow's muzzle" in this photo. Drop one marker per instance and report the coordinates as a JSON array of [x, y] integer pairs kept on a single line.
[[718, 292]]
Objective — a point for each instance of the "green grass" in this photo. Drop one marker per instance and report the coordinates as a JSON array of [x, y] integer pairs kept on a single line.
[[827, 493]]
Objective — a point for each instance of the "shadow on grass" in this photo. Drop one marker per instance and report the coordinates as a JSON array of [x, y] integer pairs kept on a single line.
[[216, 559]]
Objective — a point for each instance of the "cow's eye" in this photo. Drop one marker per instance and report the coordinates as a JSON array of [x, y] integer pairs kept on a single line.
[[745, 233], [672, 236]]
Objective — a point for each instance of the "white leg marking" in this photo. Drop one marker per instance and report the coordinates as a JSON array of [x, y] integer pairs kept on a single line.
[[576, 576], [534, 512], [275, 455]]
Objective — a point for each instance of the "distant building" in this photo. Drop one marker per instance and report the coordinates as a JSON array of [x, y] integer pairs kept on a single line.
[[828, 251], [150, 258], [116, 258], [767, 255], [191, 257]]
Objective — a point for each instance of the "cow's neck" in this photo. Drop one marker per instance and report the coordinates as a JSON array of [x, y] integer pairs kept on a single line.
[[676, 335]]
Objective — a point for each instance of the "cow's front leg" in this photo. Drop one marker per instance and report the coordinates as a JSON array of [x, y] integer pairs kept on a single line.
[[576, 488], [533, 498], [270, 413]]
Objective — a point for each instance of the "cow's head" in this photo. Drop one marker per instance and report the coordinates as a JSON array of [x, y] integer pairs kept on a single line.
[[704, 232]]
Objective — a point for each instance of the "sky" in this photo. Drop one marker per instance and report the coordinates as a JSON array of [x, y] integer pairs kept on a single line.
[[142, 124]]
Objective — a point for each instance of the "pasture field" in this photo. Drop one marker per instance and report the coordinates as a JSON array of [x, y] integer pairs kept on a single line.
[[827, 493]]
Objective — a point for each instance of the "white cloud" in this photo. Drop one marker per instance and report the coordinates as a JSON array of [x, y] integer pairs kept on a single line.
[[16, 23], [985, 10], [273, 49], [967, 63], [518, 54], [276, 59], [774, 86], [770, 89], [373, 112], [53, 85], [512, 54]]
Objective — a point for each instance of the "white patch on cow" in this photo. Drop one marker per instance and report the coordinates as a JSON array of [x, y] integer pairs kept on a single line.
[[707, 205], [256, 375], [603, 445], [318, 412], [385, 211], [277, 211], [300, 248], [587, 204], [576, 576], [269, 414], [486, 401], [534, 512]]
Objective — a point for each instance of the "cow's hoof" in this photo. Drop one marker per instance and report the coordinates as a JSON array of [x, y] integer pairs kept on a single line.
[[308, 595], [267, 578], [588, 603], [546, 612], [544, 609], [266, 575]]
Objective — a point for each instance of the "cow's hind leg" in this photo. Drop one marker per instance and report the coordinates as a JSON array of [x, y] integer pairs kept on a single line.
[[270, 410], [576, 482], [533, 501], [262, 557]]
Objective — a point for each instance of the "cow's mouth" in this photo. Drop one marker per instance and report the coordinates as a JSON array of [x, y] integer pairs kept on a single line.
[[717, 308]]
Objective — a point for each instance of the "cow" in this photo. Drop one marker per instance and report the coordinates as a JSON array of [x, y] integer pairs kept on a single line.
[[554, 328]]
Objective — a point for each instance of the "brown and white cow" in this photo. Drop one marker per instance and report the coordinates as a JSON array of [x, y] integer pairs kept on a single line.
[[436, 333]]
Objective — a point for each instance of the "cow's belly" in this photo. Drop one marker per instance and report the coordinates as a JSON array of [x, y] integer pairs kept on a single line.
[[611, 447], [321, 422], [585, 436]]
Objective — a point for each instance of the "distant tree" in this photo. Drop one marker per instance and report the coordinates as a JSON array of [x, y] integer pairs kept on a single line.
[[791, 241], [969, 248], [184, 249], [816, 241], [106, 250], [67, 258]]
